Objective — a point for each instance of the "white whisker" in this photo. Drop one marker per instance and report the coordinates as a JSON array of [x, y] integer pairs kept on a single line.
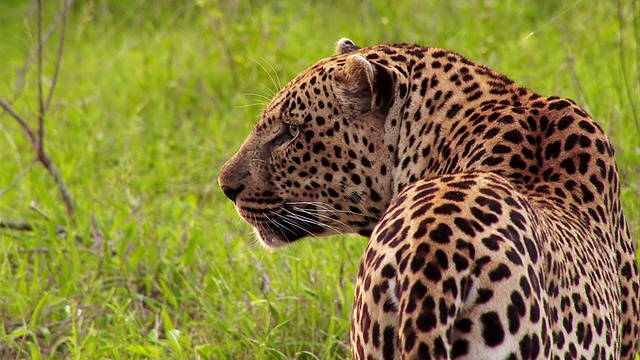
[[295, 222], [259, 96], [325, 207], [312, 221], [270, 76], [325, 217], [274, 71], [252, 105]]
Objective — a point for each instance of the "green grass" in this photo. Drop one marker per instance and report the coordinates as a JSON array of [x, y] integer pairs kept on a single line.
[[153, 97]]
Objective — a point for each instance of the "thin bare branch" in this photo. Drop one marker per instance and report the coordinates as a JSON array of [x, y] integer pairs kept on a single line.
[[17, 225], [27, 64], [97, 235], [44, 158], [25, 125], [39, 147], [63, 27], [28, 226], [37, 140], [62, 186]]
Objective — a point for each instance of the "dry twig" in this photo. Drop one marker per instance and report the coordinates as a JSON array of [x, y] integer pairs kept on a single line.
[[28, 226], [37, 137]]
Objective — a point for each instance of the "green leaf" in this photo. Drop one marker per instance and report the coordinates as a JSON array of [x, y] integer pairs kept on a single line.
[[166, 319]]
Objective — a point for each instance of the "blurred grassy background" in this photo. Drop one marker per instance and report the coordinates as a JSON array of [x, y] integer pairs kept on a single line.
[[153, 97]]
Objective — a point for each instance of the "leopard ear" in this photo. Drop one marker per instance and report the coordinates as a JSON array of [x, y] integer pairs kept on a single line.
[[368, 85], [345, 46], [359, 73]]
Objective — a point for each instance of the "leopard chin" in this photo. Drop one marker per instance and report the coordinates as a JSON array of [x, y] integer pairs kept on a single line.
[[268, 239]]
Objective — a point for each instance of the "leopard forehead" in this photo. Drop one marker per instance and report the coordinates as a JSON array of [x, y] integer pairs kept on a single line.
[[305, 95]]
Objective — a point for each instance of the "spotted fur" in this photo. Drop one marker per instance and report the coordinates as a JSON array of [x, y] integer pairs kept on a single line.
[[493, 213]]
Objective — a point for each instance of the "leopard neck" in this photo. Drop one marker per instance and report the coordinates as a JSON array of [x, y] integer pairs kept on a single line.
[[439, 124]]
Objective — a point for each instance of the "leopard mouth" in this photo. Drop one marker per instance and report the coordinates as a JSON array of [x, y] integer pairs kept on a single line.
[[277, 227]]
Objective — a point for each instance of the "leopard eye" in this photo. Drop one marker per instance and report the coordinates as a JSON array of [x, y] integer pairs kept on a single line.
[[294, 130]]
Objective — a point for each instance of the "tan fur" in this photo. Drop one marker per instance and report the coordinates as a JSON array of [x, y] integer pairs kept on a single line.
[[493, 213]]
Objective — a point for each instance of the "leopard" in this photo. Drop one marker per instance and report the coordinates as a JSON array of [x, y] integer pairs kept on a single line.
[[493, 214]]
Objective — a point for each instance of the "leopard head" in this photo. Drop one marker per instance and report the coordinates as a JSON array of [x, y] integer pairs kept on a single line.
[[319, 160]]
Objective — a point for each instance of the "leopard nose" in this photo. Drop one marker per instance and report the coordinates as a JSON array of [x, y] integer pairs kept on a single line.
[[232, 193]]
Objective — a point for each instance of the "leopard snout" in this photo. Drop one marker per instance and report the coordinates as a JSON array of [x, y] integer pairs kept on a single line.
[[232, 193], [231, 179]]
